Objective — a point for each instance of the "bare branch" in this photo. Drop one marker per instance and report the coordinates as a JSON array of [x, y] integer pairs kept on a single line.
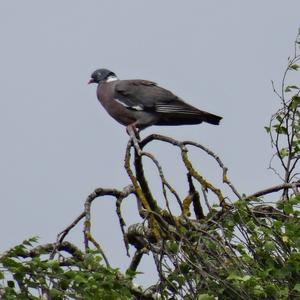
[[272, 189]]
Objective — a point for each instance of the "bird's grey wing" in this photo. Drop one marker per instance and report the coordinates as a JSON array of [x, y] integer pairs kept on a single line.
[[147, 96], [142, 95]]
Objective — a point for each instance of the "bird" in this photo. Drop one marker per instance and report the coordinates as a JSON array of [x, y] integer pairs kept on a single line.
[[138, 104]]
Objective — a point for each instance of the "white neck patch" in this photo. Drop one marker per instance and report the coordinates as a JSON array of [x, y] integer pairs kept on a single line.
[[111, 78]]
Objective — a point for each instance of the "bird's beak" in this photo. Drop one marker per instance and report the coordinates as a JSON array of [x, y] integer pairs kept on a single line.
[[91, 81]]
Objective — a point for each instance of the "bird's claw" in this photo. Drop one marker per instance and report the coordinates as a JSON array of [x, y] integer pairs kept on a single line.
[[134, 136]]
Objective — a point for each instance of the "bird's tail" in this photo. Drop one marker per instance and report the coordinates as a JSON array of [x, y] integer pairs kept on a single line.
[[210, 118]]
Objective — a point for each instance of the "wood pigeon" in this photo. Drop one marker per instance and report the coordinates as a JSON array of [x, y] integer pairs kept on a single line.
[[141, 103]]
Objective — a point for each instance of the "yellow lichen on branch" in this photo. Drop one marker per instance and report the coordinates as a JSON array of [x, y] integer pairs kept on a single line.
[[204, 183]]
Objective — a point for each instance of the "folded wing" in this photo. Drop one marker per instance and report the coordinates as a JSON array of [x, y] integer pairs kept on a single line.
[[147, 96]]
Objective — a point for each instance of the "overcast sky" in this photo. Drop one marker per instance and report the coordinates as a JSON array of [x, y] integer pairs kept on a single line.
[[58, 144]]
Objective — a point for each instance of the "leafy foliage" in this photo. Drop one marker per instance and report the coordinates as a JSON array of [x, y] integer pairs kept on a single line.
[[284, 126], [36, 273]]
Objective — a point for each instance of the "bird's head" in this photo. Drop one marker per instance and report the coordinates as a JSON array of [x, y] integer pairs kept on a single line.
[[102, 75]]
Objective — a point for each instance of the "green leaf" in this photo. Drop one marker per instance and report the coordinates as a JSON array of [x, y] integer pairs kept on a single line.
[[173, 247], [270, 246], [284, 292], [271, 289], [205, 297], [251, 225], [280, 129], [288, 208], [295, 200], [294, 67], [279, 118], [291, 87], [54, 293], [295, 101], [234, 276], [10, 263], [30, 241], [268, 129], [79, 279], [53, 264], [258, 290], [181, 279], [297, 287], [284, 152], [246, 278]]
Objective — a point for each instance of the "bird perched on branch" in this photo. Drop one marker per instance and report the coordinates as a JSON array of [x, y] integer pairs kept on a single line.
[[138, 103]]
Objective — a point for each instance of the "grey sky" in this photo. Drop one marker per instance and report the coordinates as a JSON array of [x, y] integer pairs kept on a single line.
[[58, 144]]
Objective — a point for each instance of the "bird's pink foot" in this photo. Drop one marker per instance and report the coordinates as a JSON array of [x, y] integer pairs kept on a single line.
[[133, 132]]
